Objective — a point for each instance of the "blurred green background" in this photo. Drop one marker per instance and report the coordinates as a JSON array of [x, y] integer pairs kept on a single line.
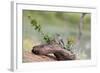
[[64, 23]]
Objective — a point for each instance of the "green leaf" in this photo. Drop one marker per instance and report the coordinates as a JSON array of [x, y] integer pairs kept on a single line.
[[36, 27], [33, 22], [39, 28]]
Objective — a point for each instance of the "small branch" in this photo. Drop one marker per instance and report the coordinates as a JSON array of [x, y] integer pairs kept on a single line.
[[81, 25]]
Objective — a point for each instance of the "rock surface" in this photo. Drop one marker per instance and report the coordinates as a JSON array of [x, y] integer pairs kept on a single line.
[[30, 57]]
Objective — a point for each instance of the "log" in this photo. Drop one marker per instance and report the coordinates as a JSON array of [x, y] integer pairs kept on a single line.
[[59, 52]]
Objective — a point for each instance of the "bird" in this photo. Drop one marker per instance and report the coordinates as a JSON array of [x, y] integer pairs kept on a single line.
[[59, 40]]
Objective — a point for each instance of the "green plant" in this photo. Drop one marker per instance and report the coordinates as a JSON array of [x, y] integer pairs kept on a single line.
[[37, 27], [47, 38], [70, 43]]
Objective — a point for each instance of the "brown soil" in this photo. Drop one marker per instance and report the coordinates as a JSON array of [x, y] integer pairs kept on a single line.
[[30, 57]]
